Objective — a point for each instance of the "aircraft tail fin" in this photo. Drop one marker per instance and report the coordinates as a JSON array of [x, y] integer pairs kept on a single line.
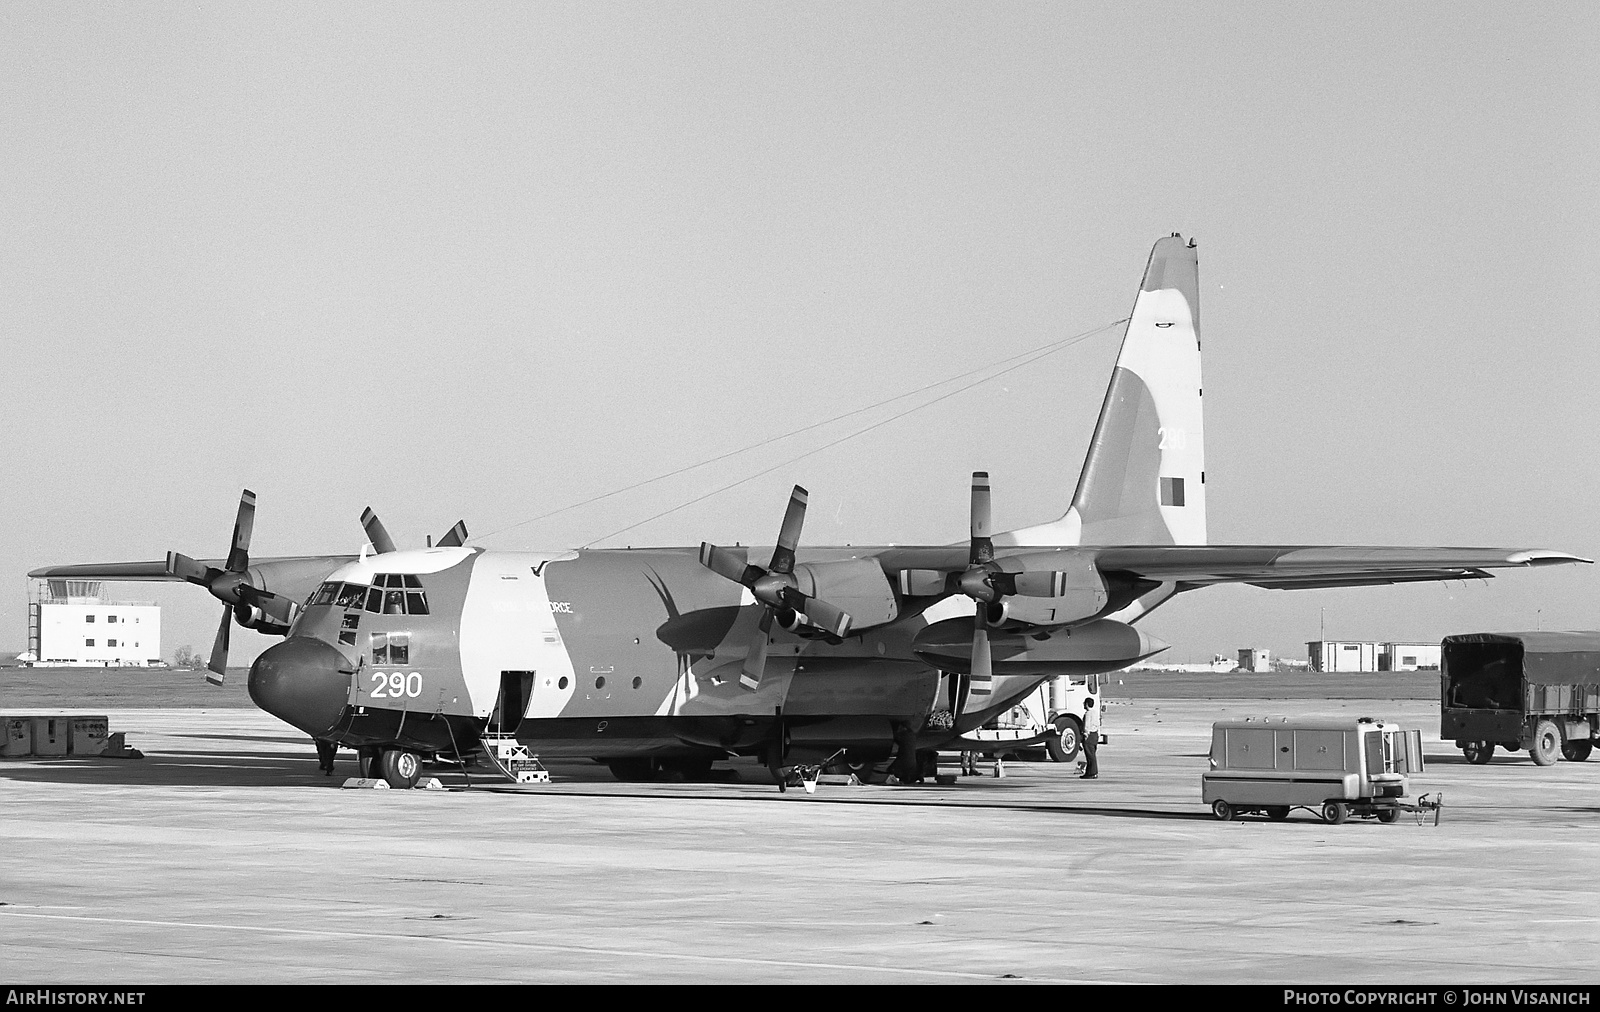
[[1143, 481]]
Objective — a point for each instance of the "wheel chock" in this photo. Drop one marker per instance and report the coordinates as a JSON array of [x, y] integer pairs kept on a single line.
[[365, 783]]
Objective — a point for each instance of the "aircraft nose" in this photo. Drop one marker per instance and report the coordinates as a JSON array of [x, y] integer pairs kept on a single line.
[[299, 681]]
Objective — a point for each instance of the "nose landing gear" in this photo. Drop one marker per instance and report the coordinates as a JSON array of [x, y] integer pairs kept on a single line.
[[397, 767]]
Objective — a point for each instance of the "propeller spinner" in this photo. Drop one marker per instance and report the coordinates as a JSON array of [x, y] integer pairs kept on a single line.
[[776, 589]]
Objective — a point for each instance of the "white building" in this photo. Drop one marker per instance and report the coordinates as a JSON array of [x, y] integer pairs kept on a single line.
[[1339, 655], [1408, 656], [70, 626], [1255, 659], [1351, 655]]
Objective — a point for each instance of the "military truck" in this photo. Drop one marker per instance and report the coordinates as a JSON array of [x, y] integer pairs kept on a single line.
[[1538, 691]]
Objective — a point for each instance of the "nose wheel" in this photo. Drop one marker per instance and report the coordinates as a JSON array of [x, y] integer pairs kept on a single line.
[[397, 767]]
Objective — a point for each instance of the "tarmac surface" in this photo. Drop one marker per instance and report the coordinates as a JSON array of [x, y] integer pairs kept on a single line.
[[224, 856]]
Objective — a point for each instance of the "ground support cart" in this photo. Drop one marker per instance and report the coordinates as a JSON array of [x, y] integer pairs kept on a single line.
[[1336, 768]]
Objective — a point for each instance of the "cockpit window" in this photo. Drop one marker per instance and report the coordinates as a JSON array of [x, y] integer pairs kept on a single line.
[[402, 594], [325, 593], [350, 595]]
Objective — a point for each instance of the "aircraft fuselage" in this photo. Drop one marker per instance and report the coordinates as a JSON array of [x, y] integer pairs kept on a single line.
[[609, 654]]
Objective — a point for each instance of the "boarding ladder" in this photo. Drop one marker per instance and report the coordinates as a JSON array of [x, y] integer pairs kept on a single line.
[[513, 760]]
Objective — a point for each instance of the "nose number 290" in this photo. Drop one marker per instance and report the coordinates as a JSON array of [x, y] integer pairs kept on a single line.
[[395, 685]]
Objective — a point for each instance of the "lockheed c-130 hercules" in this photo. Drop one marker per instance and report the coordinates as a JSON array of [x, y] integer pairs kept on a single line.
[[674, 658]]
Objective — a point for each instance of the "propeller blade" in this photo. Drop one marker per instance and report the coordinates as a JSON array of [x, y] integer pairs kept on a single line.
[[982, 664], [982, 546], [826, 617], [729, 563], [279, 608], [381, 542], [243, 526], [455, 537], [181, 565], [755, 658], [1046, 584], [789, 536], [218, 666]]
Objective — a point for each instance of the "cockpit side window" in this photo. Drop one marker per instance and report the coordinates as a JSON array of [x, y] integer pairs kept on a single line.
[[351, 595], [325, 594]]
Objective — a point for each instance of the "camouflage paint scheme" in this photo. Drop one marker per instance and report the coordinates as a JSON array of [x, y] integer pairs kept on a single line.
[[629, 655]]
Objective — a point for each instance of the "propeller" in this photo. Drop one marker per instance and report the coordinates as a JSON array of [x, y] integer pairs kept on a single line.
[[231, 585], [383, 544], [987, 582], [776, 589]]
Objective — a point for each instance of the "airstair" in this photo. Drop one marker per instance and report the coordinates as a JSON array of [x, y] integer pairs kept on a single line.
[[513, 760]]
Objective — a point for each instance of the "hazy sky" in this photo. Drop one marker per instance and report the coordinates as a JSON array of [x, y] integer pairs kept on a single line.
[[486, 260]]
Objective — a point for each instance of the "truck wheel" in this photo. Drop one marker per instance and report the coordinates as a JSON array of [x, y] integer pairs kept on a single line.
[[400, 768], [1576, 751], [1277, 813], [1336, 812], [1478, 753], [1389, 815], [1222, 810], [1546, 746], [1065, 744]]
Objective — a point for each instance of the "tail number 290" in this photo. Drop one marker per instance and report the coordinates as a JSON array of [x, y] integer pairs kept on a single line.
[[395, 685]]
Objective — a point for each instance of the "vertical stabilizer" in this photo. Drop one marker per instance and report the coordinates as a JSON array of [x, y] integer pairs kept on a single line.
[[1143, 482]]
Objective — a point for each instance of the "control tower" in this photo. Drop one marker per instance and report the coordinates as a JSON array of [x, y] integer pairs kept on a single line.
[[70, 625]]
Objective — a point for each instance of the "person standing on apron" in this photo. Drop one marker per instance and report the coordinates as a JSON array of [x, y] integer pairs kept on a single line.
[[1091, 739]]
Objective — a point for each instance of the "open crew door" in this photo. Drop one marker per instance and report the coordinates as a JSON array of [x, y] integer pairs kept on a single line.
[[516, 688]]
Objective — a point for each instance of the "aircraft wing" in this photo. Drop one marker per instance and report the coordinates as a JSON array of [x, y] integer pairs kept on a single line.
[[294, 577], [133, 572], [141, 572], [1278, 567], [1306, 567]]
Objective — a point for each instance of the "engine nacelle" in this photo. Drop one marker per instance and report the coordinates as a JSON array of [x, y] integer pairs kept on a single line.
[[252, 617], [857, 586], [1053, 589]]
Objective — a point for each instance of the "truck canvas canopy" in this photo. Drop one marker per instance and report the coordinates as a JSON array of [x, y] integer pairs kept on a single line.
[[1476, 664]]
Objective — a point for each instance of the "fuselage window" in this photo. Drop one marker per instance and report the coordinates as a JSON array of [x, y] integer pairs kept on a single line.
[[399, 649]]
